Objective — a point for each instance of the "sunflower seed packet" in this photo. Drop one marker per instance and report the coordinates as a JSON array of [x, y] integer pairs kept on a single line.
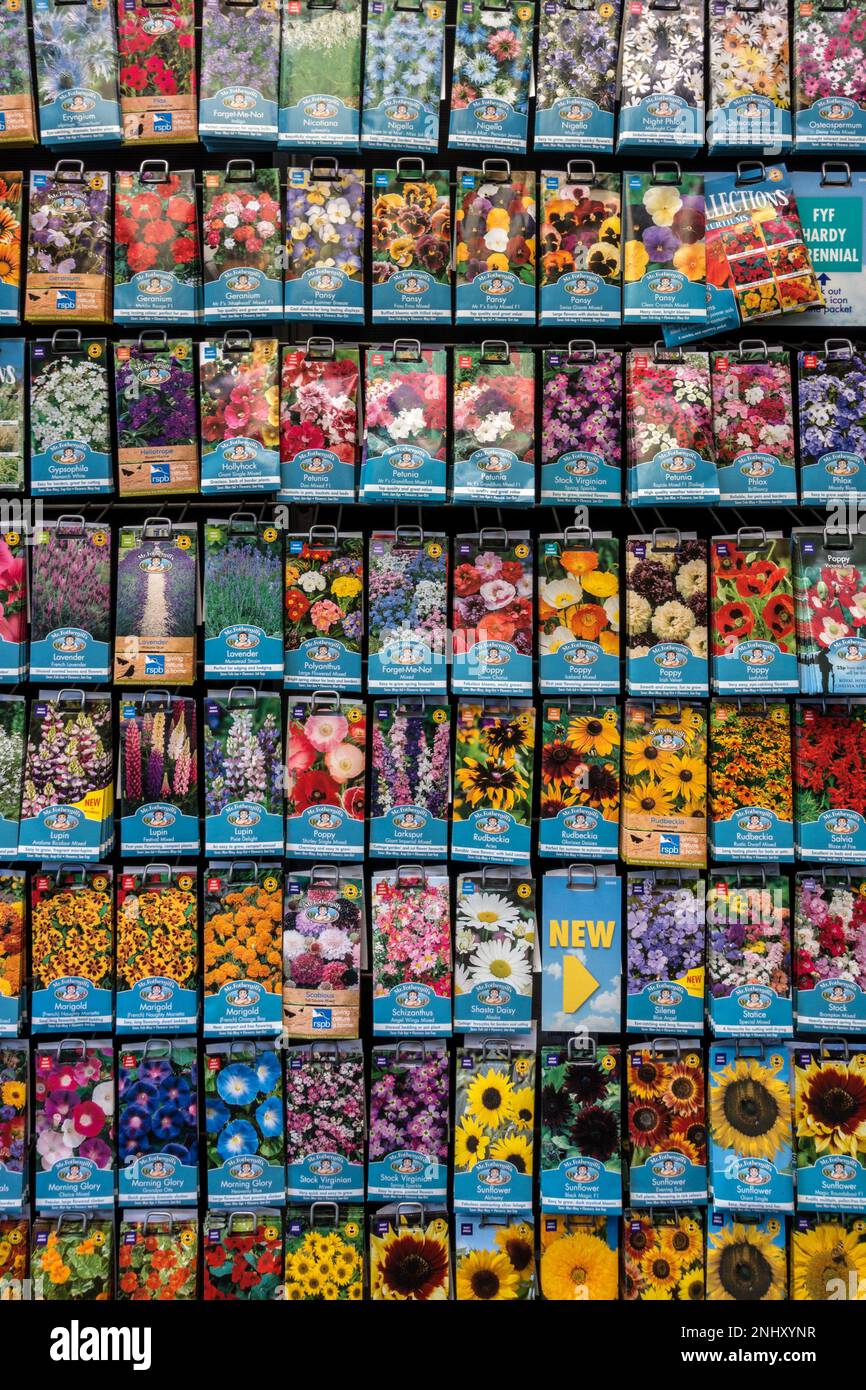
[[495, 1104], [747, 1257], [325, 1255], [495, 951], [495, 1258], [667, 1125], [417, 1241], [829, 1087], [827, 1257], [750, 1127], [663, 1255], [579, 803], [581, 1128], [579, 1257]]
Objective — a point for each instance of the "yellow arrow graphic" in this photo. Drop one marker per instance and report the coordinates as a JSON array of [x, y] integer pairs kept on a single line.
[[578, 984]]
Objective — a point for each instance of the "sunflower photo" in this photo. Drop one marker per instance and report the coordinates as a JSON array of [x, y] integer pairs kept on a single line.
[[830, 1125], [410, 1256], [663, 1256], [751, 1138], [495, 1113], [667, 1124], [746, 1257], [495, 1259], [579, 1258], [828, 1258], [581, 1129]]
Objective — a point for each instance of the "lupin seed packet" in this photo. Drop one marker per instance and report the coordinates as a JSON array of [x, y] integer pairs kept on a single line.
[[495, 1106], [753, 642], [751, 780], [581, 410], [579, 797], [664, 784], [575, 81], [68, 245], [409, 1120], [405, 45], [75, 47], [410, 924], [158, 774], [320, 75], [157, 951], [829, 77], [323, 610], [749, 77], [240, 413], [829, 946], [492, 613], [581, 949], [831, 1151], [240, 72], [70, 445], [404, 456], [753, 425], [661, 77], [664, 248], [319, 386], [493, 774], [324, 259], [581, 1128], [407, 612], [667, 1123], [244, 1122], [325, 781], [828, 574], [157, 1120], [580, 247], [243, 772], [411, 244], [829, 802], [410, 789], [665, 938], [157, 71], [324, 936], [494, 425], [243, 598], [750, 1127], [157, 246], [495, 244], [325, 1122], [157, 416], [495, 936], [74, 1081], [67, 810], [70, 601], [831, 385], [666, 583], [156, 604], [749, 953], [243, 242], [72, 944], [242, 950], [669, 428], [578, 613], [491, 76]]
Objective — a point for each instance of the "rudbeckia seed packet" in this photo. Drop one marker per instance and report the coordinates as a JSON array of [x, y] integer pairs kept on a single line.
[[68, 804], [581, 409], [243, 270], [666, 614], [578, 48], [579, 800], [747, 1257], [409, 1121], [832, 205], [751, 780], [496, 951], [245, 1124], [494, 425], [242, 947], [324, 610], [158, 774], [243, 598], [404, 457], [492, 613], [70, 416], [156, 46], [749, 78], [491, 76], [581, 1128], [324, 946], [325, 1257], [830, 951], [664, 248], [410, 1254], [242, 1255], [325, 1122], [18, 123], [581, 270], [829, 795], [664, 783], [669, 433], [320, 75], [240, 72], [243, 772], [410, 922], [829, 570], [157, 1256], [405, 45], [11, 190], [493, 771], [581, 947], [157, 950], [70, 601], [14, 1086], [667, 1123], [665, 940], [74, 1127], [832, 415], [579, 1258], [157, 246], [72, 945], [411, 244], [495, 1258], [13, 596], [157, 1126], [830, 1115], [324, 259], [749, 953], [12, 746], [407, 612], [829, 77], [239, 386], [75, 46], [319, 424], [13, 893], [157, 604], [12, 370], [157, 416], [495, 1108], [72, 1257], [828, 1258], [325, 777], [661, 76], [578, 613], [663, 1255], [410, 779], [751, 1136], [753, 425], [495, 244], [68, 245]]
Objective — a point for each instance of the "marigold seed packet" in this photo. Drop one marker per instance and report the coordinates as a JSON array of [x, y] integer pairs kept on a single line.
[[667, 1123], [157, 1123], [581, 1128], [324, 943], [750, 1128], [579, 797], [409, 1121], [410, 926], [325, 782], [72, 945], [157, 950], [242, 949], [243, 772], [495, 951]]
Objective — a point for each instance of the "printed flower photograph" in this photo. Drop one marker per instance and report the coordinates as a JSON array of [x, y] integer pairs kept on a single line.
[[156, 227], [71, 925], [319, 403], [750, 1109], [579, 1259], [241, 220], [243, 754], [71, 582], [326, 759], [493, 586], [496, 226], [157, 1262], [325, 1105], [159, 755], [75, 47], [749, 935], [157, 1099], [411, 932], [405, 402], [495, 1111], [492, 55], [666, 1107], [829, 930], [243, 1256], [581, 1105], [324, 592], [666, 595], [69, 400], [68, 228], [746, 1260], [495, 937], [665, 929], [244, 1115], [74, 1105], [581, 407], [408, 596], [243, 580], [410, 1263], [156, 588], [157, 932], [496, 1263], [494, 404], [321, 55], [750, 758], [11, 765], [827, 1250], [157, 416], [324, 1262], [577, 55], [12, 909], [13, 1107], [323, 929], [665, 763], [242, 933], [580, 225], [580, 759], [663, 1256], [829, 55], [829, 760], [830, 1106], [409, 1102], [69, 754], [752, 409], [493, 766], [325, 224], [411, 759], [411, 225], [240, 47], [73, 1263], [578, 595], [156, 60], [239, 394]]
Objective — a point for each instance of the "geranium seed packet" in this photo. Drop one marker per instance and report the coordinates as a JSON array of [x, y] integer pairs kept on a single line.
[[581, 432], [243, 772], [581, 1128], [243, 244], [495, 934], [325, 776], [324, 610], [578, 613], [494, 425], [157, 246], [492, 613], [581, 264], [410, 789]]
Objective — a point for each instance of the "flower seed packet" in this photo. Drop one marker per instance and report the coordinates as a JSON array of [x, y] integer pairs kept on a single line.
[[157, 246], [578, 613], [829, 943], [815, 1277], [404, 456], [665, 938], [158, 1103], [831, 1152], [494, 1147], [72, 945], [243, 598], [405, 45], [67, 809], [18, 124], [343, 1227], [15, 1080], [158, 774], [411, 779], [70, 419], [157, 602], [495, 235], [750, 101], [242, 948], [581, 1128], [320, 75], [243, 772], [13, 355], [832, 410], [13, 893], [667, 1123], [492, 613], [579, 801], [324, 610], [157, 951], [579, 1257], [829, 80], [157, 416], [157, 71], [750, 1128], [661, 77], [581, 949], [157, 1255], [68, 244], [411, 244], [751, 780], [493, 771], [409, 1120], [73, 1091], [325, 1122], [325, 776], [494, 425], [71, 1257], [752, 624], [663, 1255], [495, 950], [75, 46], [753, 425], [664, 249], [243, 274], [491, 76], [70, 601], [575, 82], [324, 259], [324, 939], [581, 267], [666, 614], [749, 953], [828, 570], [243, 1253], [11, 192], [664, 784], [581, 410], [245, 1124], [319, 387], [410, 920], [13, 596], [829, 802], [418, 1234], [12, 750], [669, 432], [495, 1258], [240, 414], [407, 612], [240, 72]]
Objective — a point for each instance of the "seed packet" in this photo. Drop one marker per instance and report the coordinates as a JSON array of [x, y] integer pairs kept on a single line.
[[14, 1255], [405, 44], [242, 239], [240, 72], [243, 598], [324, 610], [750, 98], [578, 612], [157, 246], [409, 1121], [493, 767], [666, 614], [581, 935], [12, 745], [669, 429], [411, 779], [579, 1258], [495, 950], [404, 455], [829, 1090], [494, 1113], [663, 1255], [157, 599], [75, 46], [70, 601], [242, 941], [753, 425], [750, 1114], [829, 798], [749, 953], [411, 244], [74, 1125], [665, 941], [407, 612], [240, 413], [492, 613], [319, 387], [158, 774], [579, 800], [243, 1255], [491, 76], [157, 1095], [751, 780], [13, 890], [325, 1122], [832, 205], [494, 252], [581, 272], [157, 950], [157, 1255], [243, 772], [71, 1259], [13, 606], [494, 425], [575, 82], [661, 77], [667, 1123], [746, 1257], [324, 260], [12, 359], [320, 75], [828, 570], [581, 409], [245, 1123], [70, 446], [324, 941], [17, 114], [157, 416], [664, 783], [495, 1257], [832, 414], [664, 248], [325, 1257], [68, 244], [410, 919], [14, 1083], [72, 945], [827, 1257], [157, 71], [829, 80], [67, 809], [829, 951], [10, 242], [410, 1250], [581, 1124], [325, 776]]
